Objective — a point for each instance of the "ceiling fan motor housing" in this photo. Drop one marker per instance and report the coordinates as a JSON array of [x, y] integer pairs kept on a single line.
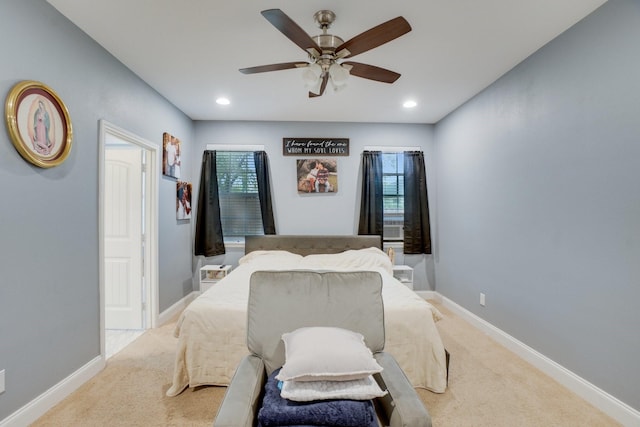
[[328, 42]]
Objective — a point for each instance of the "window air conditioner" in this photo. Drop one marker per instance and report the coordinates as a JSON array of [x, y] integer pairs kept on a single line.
[[393, 232]]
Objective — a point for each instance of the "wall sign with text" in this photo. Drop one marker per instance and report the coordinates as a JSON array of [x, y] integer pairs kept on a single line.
[[315, 146]]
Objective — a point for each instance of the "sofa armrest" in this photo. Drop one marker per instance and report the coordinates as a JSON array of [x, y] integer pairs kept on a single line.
[[241, 402], [402, 406]]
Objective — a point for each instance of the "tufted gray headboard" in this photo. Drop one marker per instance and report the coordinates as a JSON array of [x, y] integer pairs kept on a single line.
[[310, 244]]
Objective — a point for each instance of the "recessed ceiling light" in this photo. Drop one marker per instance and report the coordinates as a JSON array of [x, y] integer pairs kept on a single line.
[[409, 104], [223, 101]]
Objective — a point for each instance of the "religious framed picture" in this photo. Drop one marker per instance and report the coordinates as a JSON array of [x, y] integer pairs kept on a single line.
[[317, 175], [171, 149], [183, 200], [39, 124]]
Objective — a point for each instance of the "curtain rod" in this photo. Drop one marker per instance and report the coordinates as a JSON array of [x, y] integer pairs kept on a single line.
[[390, 149], [235, 147]]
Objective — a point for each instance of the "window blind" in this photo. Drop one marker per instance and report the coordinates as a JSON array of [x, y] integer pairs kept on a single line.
[[240, 213], [393, 194]]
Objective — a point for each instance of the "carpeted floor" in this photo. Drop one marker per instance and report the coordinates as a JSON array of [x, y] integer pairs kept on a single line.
[[488, 386]]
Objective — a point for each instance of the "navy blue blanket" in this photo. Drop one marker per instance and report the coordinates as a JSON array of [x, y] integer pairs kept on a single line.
[[276, 411]]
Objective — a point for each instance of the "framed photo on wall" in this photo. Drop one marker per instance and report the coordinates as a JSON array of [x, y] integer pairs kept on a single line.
[[183, 200], [38, 123], [171, 149], [317, 175]]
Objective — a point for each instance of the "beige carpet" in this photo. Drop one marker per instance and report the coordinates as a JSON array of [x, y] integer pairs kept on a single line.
[[488, 386]]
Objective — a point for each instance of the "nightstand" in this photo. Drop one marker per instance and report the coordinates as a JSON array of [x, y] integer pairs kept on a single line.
[[212, 274], [404, 274]]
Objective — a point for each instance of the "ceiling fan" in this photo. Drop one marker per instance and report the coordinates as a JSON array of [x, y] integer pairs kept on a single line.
[[327, 52]]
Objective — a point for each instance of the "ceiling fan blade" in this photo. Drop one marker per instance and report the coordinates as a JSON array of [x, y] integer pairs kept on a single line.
[[292, 30], [372, 72], [323, 86], [273, 67], [374, 37]]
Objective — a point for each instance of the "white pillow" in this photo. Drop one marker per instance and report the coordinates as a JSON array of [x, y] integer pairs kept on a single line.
[[305, 391], [326, 354], [353, 259], [275, 258]]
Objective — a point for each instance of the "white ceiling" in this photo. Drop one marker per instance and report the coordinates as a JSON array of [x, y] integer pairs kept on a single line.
[[190, 52]]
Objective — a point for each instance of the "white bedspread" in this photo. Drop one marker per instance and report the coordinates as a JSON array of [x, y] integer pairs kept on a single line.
[[211, 331]]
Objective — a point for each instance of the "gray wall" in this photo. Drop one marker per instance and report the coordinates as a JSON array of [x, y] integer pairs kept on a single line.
[[333, 213], [538, 201], [49, 296]]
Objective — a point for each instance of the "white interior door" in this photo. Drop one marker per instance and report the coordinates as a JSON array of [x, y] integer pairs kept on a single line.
[[123, 238]]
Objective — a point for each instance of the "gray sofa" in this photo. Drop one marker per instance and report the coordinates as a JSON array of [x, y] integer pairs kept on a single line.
[[282, 301]]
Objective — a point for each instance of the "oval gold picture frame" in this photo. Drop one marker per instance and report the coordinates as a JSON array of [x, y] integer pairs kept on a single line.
[[39, 124]]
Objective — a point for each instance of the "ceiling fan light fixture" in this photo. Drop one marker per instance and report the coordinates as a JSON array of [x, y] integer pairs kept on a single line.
[[339, 75], [337, 88], [311, 75]]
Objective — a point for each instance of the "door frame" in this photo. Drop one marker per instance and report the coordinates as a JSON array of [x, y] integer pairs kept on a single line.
[[151, 223]]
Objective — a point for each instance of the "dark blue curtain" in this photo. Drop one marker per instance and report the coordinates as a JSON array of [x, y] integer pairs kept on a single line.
[[417, 231], [209, 240], [261, 161], [371, 205]]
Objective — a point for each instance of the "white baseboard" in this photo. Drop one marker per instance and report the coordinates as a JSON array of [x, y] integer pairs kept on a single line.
[[176, 308], [429, 295], [620, 411], [47, 400]]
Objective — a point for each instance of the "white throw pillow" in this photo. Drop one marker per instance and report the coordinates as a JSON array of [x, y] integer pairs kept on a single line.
[[326, 353], [353, 259], [275, 259], [305, 391]]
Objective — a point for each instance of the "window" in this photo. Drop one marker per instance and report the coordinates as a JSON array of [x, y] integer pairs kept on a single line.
[[393, 195], [240, 213]]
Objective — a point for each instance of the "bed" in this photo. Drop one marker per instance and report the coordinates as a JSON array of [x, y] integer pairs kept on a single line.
[[211, 331]]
